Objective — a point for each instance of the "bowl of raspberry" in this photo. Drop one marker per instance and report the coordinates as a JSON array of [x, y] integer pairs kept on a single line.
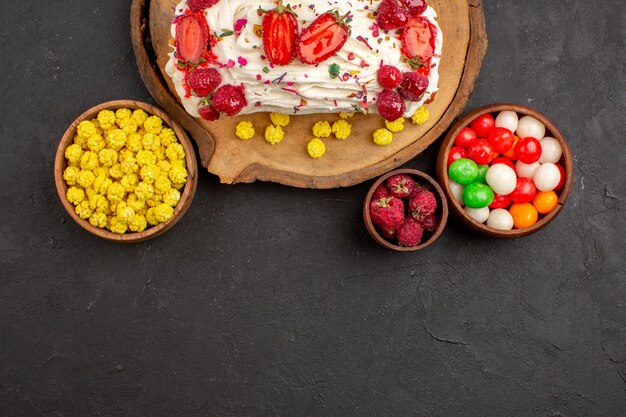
[[506, 170], [405, 210]]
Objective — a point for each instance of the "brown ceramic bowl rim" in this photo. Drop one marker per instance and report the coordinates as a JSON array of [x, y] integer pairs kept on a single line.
[[455, 207], [440, 197], [186, 196]]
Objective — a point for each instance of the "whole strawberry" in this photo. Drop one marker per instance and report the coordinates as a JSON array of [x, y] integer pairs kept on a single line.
[[208, 112], [390, 105], [413, 86], [379, 192], [400, 185], [387, 212], [423, 203], [229, 99], [430, 223], [203, 81], [409, 233], [196, 5], [392, 15]]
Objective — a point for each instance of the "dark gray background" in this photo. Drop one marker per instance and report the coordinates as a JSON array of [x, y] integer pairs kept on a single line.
[[272, 301]]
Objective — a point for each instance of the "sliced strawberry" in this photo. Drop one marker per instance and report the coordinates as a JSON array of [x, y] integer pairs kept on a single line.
[[280, 30], [192, 37], [323, 38], [418, 40]]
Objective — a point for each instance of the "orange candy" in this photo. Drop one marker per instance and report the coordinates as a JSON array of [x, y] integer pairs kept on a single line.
[[545, 201], [524, 215], [511, 152]]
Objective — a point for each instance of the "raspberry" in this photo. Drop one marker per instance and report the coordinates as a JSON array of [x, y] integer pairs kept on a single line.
[[415, 7], [380, 192], [400, 185], [413, 86], [389, 234], [423, 204], [409, 233], [203, 81], [387, 212], [389, 77], [430, 223], [392, 15], [229, 99], [208, 113], [196, 5], [390, 105]]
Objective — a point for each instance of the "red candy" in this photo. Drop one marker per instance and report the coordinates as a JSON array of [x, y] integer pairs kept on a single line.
[[528, 150], [503, 160], [524, 192], [562, 182], [483, 125], [501, 139], [500, 201], [480, 152], [465, 137], [456, 152]]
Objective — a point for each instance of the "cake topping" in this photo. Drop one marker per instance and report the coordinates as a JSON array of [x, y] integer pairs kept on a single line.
[[197, 5], [392, 15], [203, 81], [415, 7], [390, 105], [229, 99], [418, 41], [323, 38], [389, 77], [280, 30], [192, 37], [413, 86]]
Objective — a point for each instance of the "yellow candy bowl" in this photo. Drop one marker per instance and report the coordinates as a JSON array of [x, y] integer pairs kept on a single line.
[[186, 193]]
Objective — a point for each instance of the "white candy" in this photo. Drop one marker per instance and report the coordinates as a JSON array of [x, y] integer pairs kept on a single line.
[[480, 215], [500, 219], [501, 178], [457, 192], [507, 119], [526, 170], [551, 150], [547, 177], [529, 127]]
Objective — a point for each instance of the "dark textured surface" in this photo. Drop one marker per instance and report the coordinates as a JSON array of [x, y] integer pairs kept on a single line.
[[271, 301]]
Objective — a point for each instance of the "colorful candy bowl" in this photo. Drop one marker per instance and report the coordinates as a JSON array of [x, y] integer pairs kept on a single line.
[[179, 195], [423, 207], [506, 170]]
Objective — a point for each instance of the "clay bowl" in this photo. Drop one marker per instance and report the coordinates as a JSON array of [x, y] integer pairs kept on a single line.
[[442, 210], [187, 192], [456, 209]]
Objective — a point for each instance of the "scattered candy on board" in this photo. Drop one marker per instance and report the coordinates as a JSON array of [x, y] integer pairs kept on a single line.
[[505, 171]]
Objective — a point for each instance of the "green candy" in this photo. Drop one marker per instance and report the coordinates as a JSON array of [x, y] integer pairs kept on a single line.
[[482, 173], [477, 195], [463, 171]]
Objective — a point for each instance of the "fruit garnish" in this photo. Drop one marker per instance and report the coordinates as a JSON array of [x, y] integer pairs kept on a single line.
[[280, 30], [197, 5], [390, 105], [389, 77], [418, 40], [208, 112], [229, 99], [387, 212], [413, 86], [415, 7], [392, 15], [323, 38], [203, 81], [192, 37]]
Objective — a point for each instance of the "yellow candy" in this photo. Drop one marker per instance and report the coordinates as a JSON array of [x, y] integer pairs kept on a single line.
[[107, 157], [98, 220], [99, 203], [342, 129], [129, 166], [116, 192], [75, 195], [153, 124], [95, 143], [135, 203], [128, 125], [163, 213], [146, 158], [164, 166], [129, 182], [151, 142], [70, 175], [117, 226], [144, 191], [316, 148], [279, 119], [346, 115], [106, 119], [123, 113], [167, 137], [171, 197], [83, 210], [162, 184], [322, 129], [85, 178], [178, 175], [116, 139], [116, 171], [396, 125], [420, 116], [86, 129], [175, 151], [273, 134], [73, 154], [382, 137], [89, 161], [137, 223], [244, 130], [139, 116], [150, 217]]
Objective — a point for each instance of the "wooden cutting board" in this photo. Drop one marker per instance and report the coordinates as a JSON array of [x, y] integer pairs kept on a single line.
[[346, 162]]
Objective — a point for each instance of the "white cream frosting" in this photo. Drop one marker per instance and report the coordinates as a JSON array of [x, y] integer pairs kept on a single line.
[[322, 93]]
